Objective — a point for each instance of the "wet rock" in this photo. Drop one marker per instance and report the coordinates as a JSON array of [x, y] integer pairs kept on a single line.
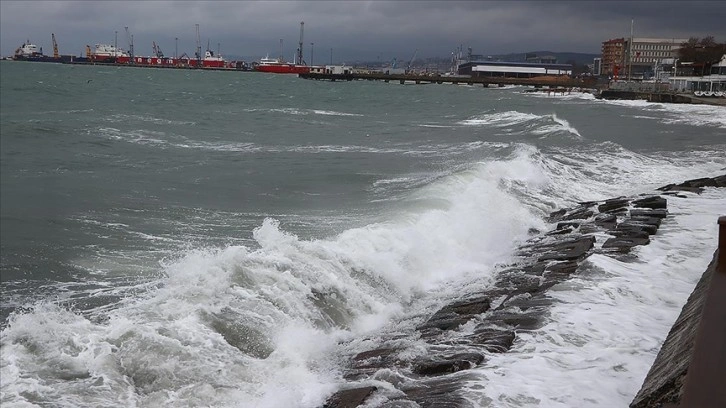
[[351, 398], [578, 214], [557, 215], [568, 224], [519, 321], [455, 314], [452, 364], [493, 340], [570, 250], [659, 213], [634, 229], [606, 221], [566, 267], [613, 204], [437, 392], [625, 243], [653, 202], [697, 185]]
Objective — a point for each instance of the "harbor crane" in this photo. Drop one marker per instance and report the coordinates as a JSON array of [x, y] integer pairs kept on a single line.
[[55, 47], [410, 63], [157, 50], [130, 39]]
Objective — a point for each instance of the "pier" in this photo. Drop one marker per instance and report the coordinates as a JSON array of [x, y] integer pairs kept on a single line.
[[538, 82]]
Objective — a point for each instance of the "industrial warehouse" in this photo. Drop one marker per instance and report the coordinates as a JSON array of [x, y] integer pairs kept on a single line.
[[490, 69]]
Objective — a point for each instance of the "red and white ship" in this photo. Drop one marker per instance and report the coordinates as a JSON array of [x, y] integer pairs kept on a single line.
[[278, 66], [110, 54]]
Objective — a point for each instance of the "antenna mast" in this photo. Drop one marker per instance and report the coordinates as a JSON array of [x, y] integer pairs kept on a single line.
[[300, 46]]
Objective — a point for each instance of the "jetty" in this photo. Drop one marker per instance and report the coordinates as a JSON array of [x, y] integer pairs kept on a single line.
[[417, 78]]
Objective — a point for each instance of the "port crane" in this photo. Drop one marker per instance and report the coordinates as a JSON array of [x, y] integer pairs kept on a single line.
[[410, 63], [130, 39], [55, 47], [157, 50]]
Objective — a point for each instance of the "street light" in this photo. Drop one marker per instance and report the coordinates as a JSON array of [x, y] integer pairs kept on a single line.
[[176, 47], [311, 53]]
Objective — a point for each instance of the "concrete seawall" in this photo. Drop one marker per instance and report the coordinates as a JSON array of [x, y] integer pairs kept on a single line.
[[690, 369], [664, 97]]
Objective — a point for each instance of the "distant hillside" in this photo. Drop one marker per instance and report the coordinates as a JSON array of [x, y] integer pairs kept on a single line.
[[562, 57]]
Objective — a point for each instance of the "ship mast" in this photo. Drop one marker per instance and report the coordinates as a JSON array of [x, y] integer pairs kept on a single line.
[[300, 46]]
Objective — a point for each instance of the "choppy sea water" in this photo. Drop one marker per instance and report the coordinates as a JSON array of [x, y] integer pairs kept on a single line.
[[167, 236]]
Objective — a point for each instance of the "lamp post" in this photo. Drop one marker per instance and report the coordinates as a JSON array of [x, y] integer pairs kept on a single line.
[[115, 43], [331, 56], [176, 47], [311, 53]]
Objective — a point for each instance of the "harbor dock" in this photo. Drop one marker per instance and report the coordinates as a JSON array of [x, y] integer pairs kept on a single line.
[[537, 82]]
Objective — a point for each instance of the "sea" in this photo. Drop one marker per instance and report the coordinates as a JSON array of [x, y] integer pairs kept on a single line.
[[196, 238]]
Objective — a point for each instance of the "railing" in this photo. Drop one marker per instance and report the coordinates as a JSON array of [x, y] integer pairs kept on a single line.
[[705, 384]]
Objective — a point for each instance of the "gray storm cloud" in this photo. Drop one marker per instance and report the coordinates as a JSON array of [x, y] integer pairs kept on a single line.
[[355, 29]]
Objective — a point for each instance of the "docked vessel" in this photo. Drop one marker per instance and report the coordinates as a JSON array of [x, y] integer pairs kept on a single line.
[[278, 66], [30, 52], [107, 53]]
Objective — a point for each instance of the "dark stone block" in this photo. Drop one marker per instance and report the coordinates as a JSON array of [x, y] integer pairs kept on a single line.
[[377, 353], [624, 243], [520, 321], [654, 221], [455, 314], [493, 340], [653, 202], [567, 267], [560, 231], [452, 364], [578, 214], [557, 215], [613, 204], [351, 398], [568, 251], [606, 221], [633, 228], [568, 224], [659, 213]]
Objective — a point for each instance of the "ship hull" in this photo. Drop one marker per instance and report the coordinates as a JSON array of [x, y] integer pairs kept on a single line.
[[45, 58], [284, 69]]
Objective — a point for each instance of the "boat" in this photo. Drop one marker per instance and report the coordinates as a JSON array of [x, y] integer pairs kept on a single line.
[[108, 53], [278, 66], [30, 52], [27, 51]]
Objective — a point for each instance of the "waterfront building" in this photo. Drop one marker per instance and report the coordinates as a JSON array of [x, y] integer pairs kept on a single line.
[[613, 56], [639, 58], [482, 69]]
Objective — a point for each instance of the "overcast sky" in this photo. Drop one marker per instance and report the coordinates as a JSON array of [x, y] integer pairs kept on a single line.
[[355, 30]]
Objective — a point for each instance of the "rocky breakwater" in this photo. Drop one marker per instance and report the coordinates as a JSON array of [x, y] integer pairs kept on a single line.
[[463, 333]]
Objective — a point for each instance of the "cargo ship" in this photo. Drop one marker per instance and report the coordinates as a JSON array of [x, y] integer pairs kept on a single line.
[[30, 52]]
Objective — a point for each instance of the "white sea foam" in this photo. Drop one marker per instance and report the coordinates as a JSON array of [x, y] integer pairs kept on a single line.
[[500, 119], [689, 114], [608, 324]]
